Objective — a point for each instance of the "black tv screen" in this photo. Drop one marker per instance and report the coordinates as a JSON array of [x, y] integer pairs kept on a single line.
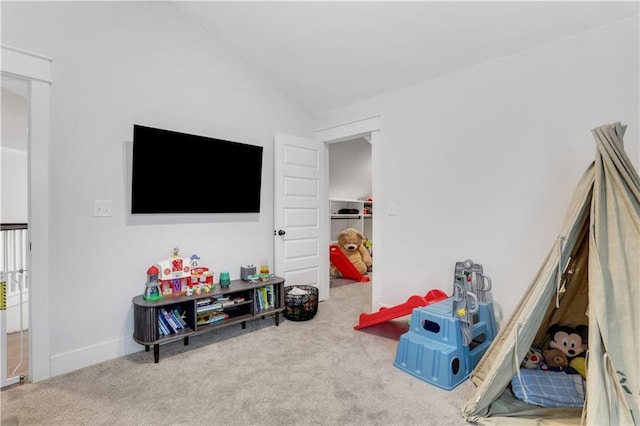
[[176, 172]]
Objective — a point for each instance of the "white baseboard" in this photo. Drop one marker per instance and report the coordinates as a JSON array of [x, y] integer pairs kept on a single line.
[[91, 355]]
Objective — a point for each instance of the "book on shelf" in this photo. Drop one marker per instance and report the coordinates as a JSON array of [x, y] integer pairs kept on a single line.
[[211, 307], [270, 296], [160, 329], [162, 325], [170, 320], [211, 317], [204, 301], [265, 302], [179, 317], [218, 317], [176, 319], [258, 301], [262, 299]]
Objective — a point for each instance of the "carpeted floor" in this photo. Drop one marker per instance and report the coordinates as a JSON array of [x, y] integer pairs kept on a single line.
[[316, 372]]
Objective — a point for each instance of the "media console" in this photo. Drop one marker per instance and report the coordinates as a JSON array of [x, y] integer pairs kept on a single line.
[[239, 302]]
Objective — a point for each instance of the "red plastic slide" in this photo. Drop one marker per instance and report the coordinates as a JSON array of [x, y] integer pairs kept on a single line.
[[344, 265], [386, 314]]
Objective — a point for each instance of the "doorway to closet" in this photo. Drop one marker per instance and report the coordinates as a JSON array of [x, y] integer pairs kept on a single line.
[[369, 129], [350, 188]]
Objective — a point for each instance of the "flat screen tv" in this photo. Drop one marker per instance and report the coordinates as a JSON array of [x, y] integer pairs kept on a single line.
[[176, 172]]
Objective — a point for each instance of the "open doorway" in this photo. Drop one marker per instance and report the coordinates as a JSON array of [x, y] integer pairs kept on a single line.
[[14, 216], [369, 129], [350, 193], [34, 70]]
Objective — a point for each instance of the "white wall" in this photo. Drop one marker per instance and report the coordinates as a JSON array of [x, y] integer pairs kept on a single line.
[[350, 179], [13, 153], [116, 64], [350, 169], [481, 163]]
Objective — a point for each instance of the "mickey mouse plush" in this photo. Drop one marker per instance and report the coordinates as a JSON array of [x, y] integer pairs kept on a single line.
[[571, 341]]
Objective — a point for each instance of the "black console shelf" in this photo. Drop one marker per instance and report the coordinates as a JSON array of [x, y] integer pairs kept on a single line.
[[146, 328]]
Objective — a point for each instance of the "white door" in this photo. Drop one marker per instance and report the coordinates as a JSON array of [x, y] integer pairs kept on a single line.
[[301, 246]]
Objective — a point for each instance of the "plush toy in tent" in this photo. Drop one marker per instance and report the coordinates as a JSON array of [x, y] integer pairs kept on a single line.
[[350, 242], [554, 360], [533, 358], [571, 341]]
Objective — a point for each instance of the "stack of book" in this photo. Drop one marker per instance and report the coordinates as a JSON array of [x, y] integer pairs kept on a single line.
[[211, 317], [265, 298], [208, 311], [170, 321]]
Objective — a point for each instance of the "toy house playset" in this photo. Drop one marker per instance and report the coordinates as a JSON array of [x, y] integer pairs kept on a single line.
[[177, 276]]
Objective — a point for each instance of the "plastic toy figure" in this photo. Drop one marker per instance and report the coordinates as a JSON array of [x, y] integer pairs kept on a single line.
[[152, 291]]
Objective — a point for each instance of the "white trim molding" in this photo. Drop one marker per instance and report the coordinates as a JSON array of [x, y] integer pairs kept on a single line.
[[26, 65], [36, 69], [370, 129], [351, 130]]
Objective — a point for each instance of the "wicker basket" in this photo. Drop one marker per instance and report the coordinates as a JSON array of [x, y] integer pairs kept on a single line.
[[300, 307]]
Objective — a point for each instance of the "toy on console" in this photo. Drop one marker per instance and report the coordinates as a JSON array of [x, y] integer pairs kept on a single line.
[[152, 291], [200, 275], [179, 275], [532, 359], [175, 274], [350, 242]]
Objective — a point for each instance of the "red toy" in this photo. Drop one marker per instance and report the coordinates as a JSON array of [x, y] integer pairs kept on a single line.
[[344, 265], [386, 314]]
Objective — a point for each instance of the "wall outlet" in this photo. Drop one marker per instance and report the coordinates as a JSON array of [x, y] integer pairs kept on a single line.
[[102, 208]]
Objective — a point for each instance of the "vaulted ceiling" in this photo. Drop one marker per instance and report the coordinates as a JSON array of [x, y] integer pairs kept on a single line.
[[329, 54]]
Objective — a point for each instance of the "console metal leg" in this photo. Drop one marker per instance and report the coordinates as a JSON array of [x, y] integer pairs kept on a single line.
[[186, 341], [244, 325], [146, 348], [156, 353], [277, 319]]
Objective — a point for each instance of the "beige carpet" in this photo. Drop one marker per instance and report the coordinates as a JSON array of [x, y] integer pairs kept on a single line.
[[317, 372]]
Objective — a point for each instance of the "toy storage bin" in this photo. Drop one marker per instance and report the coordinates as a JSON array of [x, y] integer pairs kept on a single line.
[[300, 307]]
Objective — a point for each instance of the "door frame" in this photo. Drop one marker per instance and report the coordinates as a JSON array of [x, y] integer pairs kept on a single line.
[[368, 127], [35, 69]]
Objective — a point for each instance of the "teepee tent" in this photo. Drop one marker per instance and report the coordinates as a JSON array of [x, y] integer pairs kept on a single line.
[[590, 276]]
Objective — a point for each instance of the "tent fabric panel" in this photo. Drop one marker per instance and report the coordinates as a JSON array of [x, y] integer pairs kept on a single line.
[[571, 312], [610, 192], [510, 411], [502, 359], [613, 380]]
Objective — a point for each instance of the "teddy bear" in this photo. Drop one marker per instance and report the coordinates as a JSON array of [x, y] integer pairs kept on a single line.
[[350, 241], [554, 360]]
